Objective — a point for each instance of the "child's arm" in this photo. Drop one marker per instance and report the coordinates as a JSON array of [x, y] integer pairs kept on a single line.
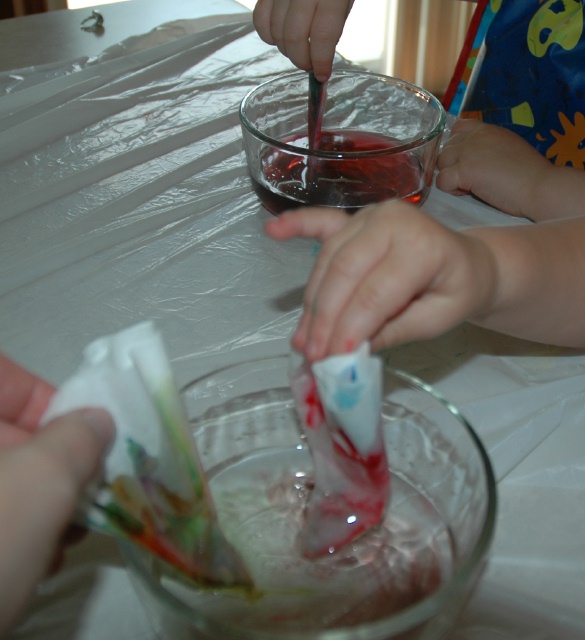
[[391, 274], [505, 171]]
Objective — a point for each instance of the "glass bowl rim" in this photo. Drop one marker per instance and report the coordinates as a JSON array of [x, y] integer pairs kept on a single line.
[[400, 622], [436, 131]]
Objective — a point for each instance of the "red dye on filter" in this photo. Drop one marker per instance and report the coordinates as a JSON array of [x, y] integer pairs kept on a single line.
[[350, 490]]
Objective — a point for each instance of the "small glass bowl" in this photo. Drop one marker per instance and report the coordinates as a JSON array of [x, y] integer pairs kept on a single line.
[[379, 141], [408, 578]]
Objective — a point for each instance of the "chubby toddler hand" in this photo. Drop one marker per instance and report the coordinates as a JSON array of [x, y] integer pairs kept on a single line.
[[494, 164], [389, 274]]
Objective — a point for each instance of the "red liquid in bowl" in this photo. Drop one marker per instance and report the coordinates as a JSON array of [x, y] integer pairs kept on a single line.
[[347, 183]]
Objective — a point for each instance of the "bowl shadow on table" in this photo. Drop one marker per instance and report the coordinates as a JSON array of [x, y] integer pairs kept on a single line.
[[437, 358]]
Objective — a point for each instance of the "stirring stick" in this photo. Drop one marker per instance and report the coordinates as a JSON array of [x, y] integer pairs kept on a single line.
[[317, 95], [317, 98]]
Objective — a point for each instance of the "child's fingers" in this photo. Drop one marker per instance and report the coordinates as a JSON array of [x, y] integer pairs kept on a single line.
[[310, 222]]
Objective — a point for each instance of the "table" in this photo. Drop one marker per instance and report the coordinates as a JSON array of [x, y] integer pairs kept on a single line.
[[57, 35], [125, 197]]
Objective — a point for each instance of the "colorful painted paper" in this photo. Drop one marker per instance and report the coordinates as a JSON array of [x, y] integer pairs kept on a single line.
[[153, 490]]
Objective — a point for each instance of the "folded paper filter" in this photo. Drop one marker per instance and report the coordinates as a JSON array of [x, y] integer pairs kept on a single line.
[[339, 405], [153, 490]]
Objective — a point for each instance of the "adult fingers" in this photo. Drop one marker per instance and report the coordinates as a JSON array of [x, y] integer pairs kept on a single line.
[[11, 435], [40, 484], [50, 469], [23, 396], [77, 441]]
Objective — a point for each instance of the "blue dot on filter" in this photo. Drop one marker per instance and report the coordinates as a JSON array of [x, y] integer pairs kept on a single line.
[[347, 398]]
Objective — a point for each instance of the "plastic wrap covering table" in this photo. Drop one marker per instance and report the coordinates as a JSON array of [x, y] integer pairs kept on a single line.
[[124, 196]]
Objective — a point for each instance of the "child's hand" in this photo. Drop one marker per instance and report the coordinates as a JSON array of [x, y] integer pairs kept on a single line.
[[495, 165], [389, 274], [306, 31]]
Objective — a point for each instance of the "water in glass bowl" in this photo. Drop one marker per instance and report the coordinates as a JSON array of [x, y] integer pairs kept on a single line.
[[261, 499]]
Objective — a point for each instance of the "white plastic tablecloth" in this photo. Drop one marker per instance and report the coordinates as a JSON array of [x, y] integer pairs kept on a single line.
[[124, 196]]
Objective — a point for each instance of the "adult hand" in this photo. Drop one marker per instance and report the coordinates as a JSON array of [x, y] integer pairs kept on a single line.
[[42, 474], [306, 31], [389, 274]]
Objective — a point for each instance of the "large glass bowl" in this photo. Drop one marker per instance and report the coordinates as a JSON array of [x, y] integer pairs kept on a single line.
[[379, 141], [408, 578]]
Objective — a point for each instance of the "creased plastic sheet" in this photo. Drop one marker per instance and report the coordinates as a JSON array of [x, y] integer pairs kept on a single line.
[[124, 197]]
